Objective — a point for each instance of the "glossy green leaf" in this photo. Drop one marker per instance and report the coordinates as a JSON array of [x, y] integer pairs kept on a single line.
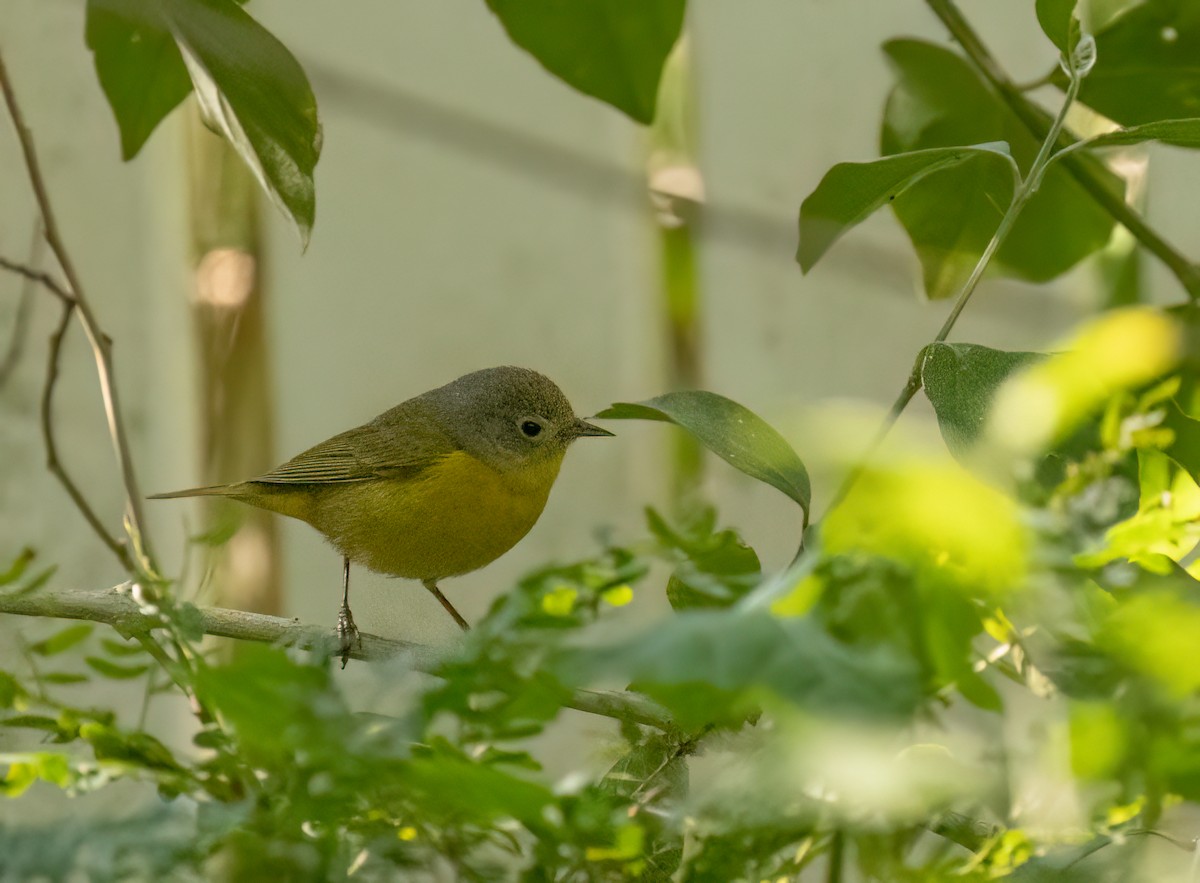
[[731, 431], [850, 192], [1145, 63], [138, 64], [254, 92], [960, 380], [613, 50], [62, 640], [939, 101]]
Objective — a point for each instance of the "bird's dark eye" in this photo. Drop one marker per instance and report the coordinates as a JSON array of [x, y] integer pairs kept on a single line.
[[531, 429]]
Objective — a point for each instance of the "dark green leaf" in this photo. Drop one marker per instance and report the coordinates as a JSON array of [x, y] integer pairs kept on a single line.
[[62, 640], [254, 92], [613, 50], [112, 670], [10, 690], [36, 581], [138, 64], [850, 192], [1145, 63], [734, 433], [960, 380], [140, 749], [939, 101]]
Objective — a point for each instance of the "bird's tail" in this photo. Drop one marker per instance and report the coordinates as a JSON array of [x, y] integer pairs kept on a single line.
[[216, 490]]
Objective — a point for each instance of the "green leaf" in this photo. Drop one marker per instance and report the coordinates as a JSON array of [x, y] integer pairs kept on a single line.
[[122, 648], [254, 92], [110, 669], [1177, 133], [1055, 18], [64, 677], [939, 101], [731, 431], [960, 380], [62, 640], [850, 192], [613, 50], [1145, 63], [711, 666], [139, 67], [715, 569], [1185, 445], [18, 567]]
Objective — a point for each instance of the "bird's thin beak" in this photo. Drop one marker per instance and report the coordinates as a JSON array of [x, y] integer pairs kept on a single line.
[[582, 428]]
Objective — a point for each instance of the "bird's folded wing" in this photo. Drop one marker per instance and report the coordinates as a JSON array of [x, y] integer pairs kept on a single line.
[[361, 454]]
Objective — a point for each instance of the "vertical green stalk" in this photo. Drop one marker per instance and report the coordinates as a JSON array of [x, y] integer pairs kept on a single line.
[[676, 188]]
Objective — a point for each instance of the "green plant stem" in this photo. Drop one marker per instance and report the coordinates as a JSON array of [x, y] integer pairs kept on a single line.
[[1022, 194], [1187, 272]]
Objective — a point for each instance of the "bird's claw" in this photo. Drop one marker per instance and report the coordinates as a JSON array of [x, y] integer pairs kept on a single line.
[[348, 634]]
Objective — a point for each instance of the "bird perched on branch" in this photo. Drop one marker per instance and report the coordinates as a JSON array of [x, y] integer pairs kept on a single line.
[[438, 486]]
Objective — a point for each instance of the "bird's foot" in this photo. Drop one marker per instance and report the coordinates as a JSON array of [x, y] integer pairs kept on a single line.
[[348, 634]]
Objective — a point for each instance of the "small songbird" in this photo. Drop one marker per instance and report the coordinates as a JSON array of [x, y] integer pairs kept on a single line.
[[438, 486]]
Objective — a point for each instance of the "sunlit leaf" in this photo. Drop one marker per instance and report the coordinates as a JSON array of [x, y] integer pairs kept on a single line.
[[613, 50], [731, 431]]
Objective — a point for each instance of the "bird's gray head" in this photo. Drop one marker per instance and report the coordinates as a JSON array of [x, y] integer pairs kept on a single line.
[[509, 415]]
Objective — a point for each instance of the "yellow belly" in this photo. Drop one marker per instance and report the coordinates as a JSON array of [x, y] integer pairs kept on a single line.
[[455, 517]]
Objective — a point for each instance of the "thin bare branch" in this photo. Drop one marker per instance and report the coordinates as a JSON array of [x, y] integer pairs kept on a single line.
[[116, 608], [20, 330], [53, 463], [100, 342], [33, 275]]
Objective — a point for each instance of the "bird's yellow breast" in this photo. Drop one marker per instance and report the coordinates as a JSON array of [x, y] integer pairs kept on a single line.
[[455, 516]]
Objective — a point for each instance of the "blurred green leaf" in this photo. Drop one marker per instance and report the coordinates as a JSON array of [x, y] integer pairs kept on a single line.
[[939, 101], [110, 669], [713, 666], [849, 192], [138, 64], [731, 431], [18, 567], [125, 647], [613, 50], [1145, 63], [960, 380], [62, 640], [714, 569], [64, 677]]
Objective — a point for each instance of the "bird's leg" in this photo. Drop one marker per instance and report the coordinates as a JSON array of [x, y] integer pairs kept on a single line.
[[437, 593], [347, 631]]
